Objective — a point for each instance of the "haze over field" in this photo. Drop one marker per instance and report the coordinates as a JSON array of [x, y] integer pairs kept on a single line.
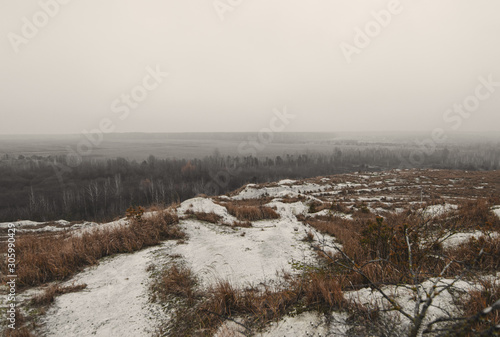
[[336, 65], [249, 167]]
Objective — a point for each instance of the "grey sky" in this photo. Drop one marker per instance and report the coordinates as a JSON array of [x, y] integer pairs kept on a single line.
[[229, 75]]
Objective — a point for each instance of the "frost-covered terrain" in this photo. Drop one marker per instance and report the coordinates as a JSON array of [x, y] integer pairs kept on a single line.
[[117, 302]]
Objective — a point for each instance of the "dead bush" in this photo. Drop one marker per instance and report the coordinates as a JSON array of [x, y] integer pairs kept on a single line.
[[481, 254], [476, 214], [477, 301]]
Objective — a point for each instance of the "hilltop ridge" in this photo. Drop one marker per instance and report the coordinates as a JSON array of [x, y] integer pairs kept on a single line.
[[263, 240]]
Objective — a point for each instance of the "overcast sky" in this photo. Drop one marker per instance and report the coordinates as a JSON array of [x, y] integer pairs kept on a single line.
[[230, 63]]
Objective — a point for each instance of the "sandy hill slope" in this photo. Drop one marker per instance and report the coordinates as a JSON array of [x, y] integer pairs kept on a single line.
[[266, 239]]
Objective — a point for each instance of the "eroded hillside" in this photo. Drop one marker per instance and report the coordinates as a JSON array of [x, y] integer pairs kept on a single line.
[[384, 253]]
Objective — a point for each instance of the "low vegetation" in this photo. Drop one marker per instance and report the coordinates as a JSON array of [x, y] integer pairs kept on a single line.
[[407, 248], [201, 312], [50, 293], [251, 213], [204, 216], [57, 257]]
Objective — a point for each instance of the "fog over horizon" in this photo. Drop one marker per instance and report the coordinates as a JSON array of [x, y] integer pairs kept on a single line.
[[236, 66]]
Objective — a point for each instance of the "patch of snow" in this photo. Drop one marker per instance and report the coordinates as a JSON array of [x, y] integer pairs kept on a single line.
[[496, 210], [254, 257], [458, 238], [279, 192], [115, 302], [286, 182], [307, 324], [442, 304], [207, 206], [248, 255], [21, 223], [435, 210], [289, 210], [323, 212]]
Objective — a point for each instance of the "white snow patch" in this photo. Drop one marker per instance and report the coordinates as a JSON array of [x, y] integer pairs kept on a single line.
[[207, 206], [20, 223], [458, 238], [307, 324], [215, 253], [496, 210], [115, 302], [248, 255], [286, 182], [435, 210], [278, 192], [323, 212], [442, 304]]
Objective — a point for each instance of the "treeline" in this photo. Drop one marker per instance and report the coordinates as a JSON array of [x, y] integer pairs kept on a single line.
[[49, 188]]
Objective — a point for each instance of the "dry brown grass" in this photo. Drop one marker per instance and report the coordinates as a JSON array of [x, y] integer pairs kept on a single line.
[[347, 232], [481, 255], [376, 251], [478, 300], [203, 216], [291, 200], [21, 327], [323, 291], [316, 206], [57, 257], [244, 202], [19, 332], [175, 281], [52, 291], [204, 311], [251, 213], [476, 214], [243, 224]]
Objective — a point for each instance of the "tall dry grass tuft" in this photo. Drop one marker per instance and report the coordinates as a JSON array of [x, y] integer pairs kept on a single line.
[[175, 281], [203, 216], [323, 292], [57, 257], [204, 310], [251, 213], [476, 214]]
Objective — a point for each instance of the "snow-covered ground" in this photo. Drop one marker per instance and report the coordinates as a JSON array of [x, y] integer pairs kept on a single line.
[[115, 302], [245, 256], [252, 192]]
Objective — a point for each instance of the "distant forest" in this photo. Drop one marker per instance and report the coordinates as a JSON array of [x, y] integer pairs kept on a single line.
[[48, 188]]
